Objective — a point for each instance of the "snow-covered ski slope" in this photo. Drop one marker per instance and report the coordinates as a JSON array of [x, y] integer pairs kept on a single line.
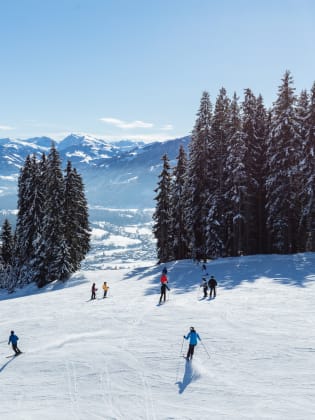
[[120, 358]]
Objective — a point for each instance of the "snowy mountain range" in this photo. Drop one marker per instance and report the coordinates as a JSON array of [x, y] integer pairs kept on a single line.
[[121, 174]]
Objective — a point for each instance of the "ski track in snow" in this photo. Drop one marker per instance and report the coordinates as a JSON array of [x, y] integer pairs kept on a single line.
[[72, 388]]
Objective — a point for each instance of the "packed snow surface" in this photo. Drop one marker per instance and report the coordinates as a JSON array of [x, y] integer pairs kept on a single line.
[[120, 357]]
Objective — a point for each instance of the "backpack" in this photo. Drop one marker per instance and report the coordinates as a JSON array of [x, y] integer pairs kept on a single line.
[[212, 282]]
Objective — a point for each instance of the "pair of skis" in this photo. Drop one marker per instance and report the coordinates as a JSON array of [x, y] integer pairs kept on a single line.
[[14, 355]]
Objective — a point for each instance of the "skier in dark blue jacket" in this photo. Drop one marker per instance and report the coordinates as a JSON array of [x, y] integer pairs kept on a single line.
[[193, 338], [13, 339]]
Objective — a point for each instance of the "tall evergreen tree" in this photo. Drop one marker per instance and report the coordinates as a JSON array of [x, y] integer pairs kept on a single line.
[[162, 228], [23, 241], [7, 244], [217, 236], [252, 161], [308, 169], [236, 185], [282, 185], [302, 110], [29, 220], [179, 201], [51, 248], [220, 132], [77, 230], [198, 178], [261, 135]]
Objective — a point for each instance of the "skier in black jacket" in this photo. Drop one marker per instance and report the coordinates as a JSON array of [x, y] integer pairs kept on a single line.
[[93, 291], [212, 283]]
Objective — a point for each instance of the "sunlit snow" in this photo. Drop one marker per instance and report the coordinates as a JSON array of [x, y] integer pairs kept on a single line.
[[120, 357]]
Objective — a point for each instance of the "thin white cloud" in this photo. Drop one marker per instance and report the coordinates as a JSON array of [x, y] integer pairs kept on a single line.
[[167, 127], [126, 125], [6, 127]]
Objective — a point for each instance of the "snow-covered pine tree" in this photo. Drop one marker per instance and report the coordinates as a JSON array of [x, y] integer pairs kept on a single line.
[[51, 247], [220, 132], [261, 135], [162, 216], [29, 221], [302, 114], [252, 161], [178, 207], [6, 254], [216, 224], [283, 159], [76, 222], [7, 244], [308, 169], [198, 179], [302, 110], [22, 242], [236, 185]]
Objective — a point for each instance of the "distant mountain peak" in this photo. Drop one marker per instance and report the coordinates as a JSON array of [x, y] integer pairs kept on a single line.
[[106, 167]]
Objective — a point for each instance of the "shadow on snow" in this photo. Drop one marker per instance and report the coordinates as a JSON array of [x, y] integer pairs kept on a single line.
[[6, 364], [293, 270], [54, 286], [190, 375]]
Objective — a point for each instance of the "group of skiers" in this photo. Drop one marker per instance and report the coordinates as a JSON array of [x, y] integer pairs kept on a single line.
[[210, 284], [192, 336], [94, 289]]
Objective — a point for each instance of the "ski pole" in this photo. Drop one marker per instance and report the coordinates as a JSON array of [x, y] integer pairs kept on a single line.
[[178, 366], [206, 350], [181, 350]]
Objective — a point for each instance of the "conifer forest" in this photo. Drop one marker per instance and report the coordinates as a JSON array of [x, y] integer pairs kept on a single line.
[[52, 234], [246, 185]]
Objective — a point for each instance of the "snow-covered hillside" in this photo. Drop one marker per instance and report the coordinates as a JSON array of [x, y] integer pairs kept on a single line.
[[120, 357]]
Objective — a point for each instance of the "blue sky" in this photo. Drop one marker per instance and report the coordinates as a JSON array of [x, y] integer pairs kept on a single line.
[[136, 69]]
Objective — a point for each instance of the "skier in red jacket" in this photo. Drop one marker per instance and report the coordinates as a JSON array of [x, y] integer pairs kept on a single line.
[[164, 286]]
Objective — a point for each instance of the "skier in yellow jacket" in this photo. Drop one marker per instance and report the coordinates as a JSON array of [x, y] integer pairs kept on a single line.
[[105, 288]]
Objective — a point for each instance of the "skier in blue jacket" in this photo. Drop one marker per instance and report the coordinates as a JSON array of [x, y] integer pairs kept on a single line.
[[13, 339], [193, 338]]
